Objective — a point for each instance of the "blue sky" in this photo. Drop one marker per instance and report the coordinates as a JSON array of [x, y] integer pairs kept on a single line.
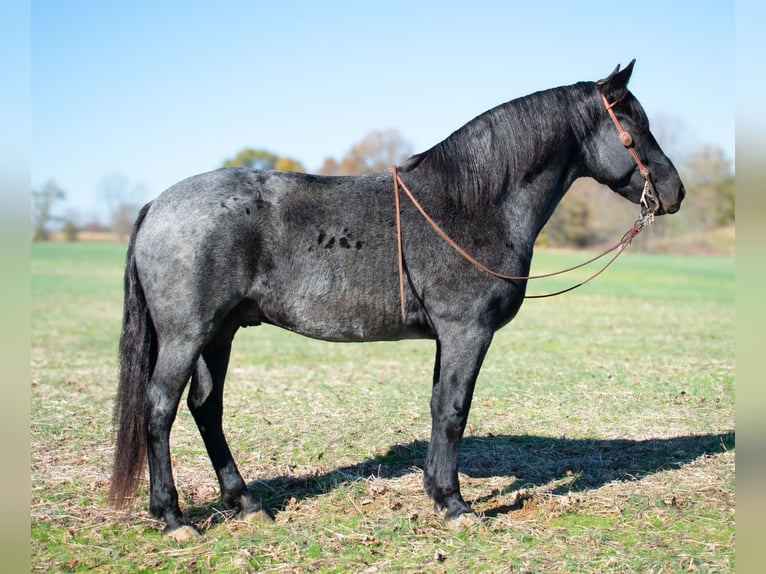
[[161, 90]]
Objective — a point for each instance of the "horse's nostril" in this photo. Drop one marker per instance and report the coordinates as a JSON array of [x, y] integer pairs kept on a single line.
[[681, 193]]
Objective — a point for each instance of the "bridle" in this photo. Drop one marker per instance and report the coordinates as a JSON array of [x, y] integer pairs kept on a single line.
[[649, 193], [647, 217]]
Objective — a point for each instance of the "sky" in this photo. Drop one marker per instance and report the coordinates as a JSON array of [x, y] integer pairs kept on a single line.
[[156, 91]]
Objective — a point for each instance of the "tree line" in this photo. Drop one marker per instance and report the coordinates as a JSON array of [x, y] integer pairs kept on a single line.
[[589, 216]]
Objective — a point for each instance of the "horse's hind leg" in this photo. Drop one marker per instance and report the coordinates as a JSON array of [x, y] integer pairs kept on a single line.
[[205, 401], [175, 361]]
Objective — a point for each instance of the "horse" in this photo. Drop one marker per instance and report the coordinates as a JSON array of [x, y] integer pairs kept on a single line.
[[318, 256]]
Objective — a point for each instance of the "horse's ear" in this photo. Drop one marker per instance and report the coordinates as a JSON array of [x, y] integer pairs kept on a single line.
[[615, 85]]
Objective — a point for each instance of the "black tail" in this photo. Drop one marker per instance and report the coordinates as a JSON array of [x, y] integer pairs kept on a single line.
[[138, 354]]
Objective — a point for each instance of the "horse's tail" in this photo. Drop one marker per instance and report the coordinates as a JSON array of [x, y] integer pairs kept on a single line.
[[138, 355]]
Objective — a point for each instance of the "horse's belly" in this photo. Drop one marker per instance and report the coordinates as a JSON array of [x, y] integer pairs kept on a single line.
[[323, 308], [346, 324]]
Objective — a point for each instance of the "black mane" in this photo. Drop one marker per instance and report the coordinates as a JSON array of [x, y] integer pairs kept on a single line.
[[477, 163]]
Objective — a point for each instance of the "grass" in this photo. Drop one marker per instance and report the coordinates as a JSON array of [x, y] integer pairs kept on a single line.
[[601, 437]]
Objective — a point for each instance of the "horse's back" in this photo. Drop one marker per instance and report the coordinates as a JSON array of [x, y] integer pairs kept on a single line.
[[312, 254]]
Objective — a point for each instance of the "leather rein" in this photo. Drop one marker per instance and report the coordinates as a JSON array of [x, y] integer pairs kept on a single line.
[[648, 195]]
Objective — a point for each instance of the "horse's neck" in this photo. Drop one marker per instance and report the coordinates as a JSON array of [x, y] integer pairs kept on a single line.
[[540, 196], [536, 188], [547, 159], [519, 158]]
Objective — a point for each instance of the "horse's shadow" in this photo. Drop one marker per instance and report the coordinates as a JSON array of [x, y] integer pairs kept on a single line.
[[560, 464]]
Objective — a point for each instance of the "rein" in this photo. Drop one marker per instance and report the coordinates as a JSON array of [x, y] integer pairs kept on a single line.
[[647, 217]]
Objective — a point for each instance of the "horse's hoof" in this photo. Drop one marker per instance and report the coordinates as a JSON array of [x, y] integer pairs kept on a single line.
[[254, 517], [247, 521], [181, 534], [463, 521]]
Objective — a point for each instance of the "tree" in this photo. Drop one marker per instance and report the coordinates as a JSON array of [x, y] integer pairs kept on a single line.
[[709, 181], [289, 164], [123, 199], [376, 152], [70, 231], [263, 159], [123, 218], [330, 167], [255, 158], [673, 136], [44, 201]]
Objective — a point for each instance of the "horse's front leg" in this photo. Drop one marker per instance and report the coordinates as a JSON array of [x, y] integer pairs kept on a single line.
[[459, 356]]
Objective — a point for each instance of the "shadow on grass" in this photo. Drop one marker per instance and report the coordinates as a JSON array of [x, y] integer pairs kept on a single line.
[[531, 461]]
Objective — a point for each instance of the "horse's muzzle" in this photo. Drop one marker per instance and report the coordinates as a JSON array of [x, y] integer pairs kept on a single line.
[[672, 205]]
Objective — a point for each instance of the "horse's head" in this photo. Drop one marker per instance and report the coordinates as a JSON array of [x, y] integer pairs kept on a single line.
[[618, 159]]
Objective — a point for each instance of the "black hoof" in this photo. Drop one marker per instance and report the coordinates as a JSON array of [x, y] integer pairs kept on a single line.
[[453, 507]]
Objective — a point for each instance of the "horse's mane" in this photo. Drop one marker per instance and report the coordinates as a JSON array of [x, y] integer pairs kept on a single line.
[[507, 144]]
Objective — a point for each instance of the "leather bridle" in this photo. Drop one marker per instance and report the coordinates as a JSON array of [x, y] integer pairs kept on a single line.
[[649, 193]]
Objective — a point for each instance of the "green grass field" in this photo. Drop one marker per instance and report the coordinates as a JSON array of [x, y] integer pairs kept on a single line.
[[601, 437]]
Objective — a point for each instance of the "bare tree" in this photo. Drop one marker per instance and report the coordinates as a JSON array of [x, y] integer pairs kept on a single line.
[[123, 218], [44, 202], [709, 181], [674, 137], [123, 199]]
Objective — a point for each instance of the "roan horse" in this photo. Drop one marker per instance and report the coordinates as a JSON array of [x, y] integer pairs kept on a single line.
[[318, 256]]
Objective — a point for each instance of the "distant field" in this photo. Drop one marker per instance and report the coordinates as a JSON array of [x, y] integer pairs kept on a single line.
[[601, 437]]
